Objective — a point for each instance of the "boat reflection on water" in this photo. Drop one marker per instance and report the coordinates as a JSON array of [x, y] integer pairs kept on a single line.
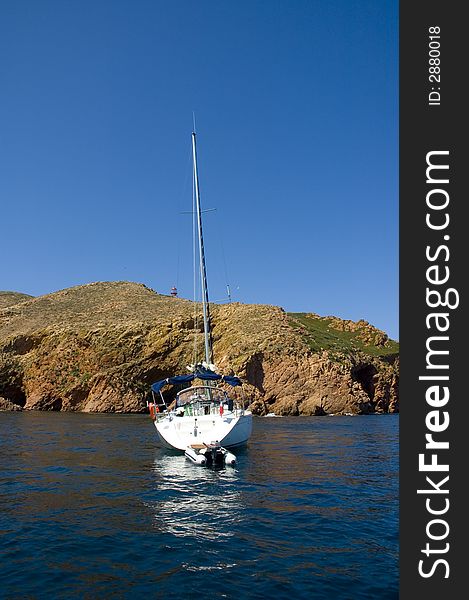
[[195, 502]]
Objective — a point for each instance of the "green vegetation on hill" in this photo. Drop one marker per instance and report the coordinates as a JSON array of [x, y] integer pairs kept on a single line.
[[320, 334]]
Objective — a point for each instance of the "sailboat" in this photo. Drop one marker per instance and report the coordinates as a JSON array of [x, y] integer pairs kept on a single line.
[[205, 420]]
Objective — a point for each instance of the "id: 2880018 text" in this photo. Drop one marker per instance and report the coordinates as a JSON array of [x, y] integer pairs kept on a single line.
[[434, 68]]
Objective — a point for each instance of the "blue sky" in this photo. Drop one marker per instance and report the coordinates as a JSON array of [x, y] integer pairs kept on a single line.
[[296, 105]]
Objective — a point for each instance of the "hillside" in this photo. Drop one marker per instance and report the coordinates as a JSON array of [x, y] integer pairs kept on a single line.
[[98, 347], [11, 298]]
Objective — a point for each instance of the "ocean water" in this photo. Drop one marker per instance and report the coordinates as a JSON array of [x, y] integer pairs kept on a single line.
[[91, 508]]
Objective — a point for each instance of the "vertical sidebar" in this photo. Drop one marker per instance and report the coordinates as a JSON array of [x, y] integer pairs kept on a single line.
[[433, 332]]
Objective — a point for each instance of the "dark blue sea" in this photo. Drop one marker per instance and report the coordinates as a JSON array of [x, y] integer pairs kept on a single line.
[[91, 508]]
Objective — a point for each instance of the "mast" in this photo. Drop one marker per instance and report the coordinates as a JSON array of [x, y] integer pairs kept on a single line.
[[203, 271]]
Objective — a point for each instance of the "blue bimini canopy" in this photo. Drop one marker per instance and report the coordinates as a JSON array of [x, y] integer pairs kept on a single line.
[[204, 374]]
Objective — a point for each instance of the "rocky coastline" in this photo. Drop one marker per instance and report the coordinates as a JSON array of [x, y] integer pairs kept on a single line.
[[98, 347]]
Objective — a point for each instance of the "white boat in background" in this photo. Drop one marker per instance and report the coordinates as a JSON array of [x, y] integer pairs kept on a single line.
[[204, 420]]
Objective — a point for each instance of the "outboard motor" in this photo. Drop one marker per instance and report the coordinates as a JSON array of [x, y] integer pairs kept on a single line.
[[216, 454]]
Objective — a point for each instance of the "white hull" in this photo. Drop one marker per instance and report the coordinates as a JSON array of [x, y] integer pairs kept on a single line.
[[229, 430]]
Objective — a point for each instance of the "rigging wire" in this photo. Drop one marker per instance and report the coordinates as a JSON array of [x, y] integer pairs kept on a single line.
[[225, 268], [181, 198]]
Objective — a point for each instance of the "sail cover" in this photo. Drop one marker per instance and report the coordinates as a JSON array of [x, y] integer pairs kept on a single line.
[[204, 374]]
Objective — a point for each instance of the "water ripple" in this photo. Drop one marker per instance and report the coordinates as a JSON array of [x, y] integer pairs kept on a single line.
[[90, 508]]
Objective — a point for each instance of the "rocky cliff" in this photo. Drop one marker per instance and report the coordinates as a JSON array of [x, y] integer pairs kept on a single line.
[[98, 347]]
